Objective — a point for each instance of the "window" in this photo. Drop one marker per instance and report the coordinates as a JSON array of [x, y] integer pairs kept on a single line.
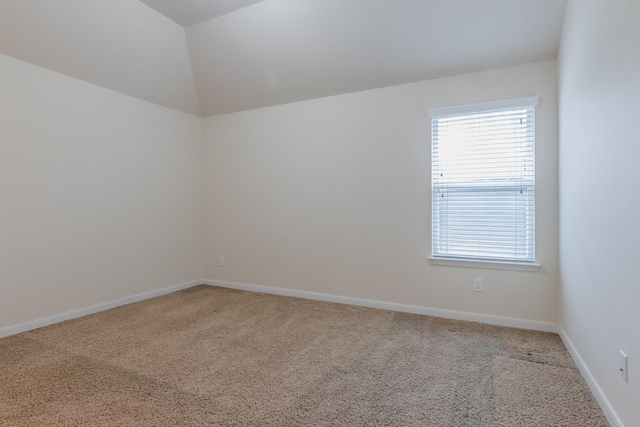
[[483, 182]]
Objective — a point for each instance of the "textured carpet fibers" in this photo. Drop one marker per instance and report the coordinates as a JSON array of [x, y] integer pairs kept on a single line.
[[212, 356]]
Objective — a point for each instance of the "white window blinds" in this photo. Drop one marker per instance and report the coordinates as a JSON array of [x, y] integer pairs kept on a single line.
[[483, 181]]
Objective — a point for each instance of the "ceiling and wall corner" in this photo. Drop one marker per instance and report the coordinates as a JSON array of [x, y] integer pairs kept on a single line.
[[191, 12], [121, 45], [237, 55], [281, 51]]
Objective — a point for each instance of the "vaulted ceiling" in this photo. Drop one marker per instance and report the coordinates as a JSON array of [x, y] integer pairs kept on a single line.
[[191, 12], [237, 55]]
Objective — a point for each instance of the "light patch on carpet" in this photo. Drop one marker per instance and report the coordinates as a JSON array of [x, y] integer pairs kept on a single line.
[[537, 394]]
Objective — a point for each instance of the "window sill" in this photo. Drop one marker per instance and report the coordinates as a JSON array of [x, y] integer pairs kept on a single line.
[[498, 265]]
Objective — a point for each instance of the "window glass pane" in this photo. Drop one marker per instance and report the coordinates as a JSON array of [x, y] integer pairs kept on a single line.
[[484, 185]]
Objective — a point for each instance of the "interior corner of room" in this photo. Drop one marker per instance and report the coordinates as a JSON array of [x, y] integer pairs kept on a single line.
[[246, 152]]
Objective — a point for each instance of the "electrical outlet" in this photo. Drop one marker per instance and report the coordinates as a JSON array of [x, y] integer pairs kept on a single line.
[[221, 261], [477, 284], [623, 366]]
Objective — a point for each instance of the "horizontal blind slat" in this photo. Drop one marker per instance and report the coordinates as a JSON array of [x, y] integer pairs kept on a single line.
[[483, 184]]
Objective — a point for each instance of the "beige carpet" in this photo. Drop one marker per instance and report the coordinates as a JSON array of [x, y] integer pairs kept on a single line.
[[212, 356]]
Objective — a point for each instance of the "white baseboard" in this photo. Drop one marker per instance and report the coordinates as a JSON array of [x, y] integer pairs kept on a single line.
[[597, 392], [415, 309], [73, 314]]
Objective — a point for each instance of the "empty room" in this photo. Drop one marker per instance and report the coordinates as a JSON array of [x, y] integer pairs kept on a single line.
[[319, 213]]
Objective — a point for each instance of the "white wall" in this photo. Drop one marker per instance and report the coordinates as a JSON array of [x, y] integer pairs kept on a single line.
[[599, 188], [333, 195], [101, 194]]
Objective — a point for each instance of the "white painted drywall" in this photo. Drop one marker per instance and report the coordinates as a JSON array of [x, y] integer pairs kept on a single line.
[[333, 196], [122, 45], [100, 194], [599, 188]]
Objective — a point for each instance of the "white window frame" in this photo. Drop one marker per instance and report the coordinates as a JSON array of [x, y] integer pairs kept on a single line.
[[532, 101]]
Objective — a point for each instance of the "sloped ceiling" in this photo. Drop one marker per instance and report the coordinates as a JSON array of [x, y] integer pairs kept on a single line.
[[122, 45], [190, 12], [281, 51], [260, 53]]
